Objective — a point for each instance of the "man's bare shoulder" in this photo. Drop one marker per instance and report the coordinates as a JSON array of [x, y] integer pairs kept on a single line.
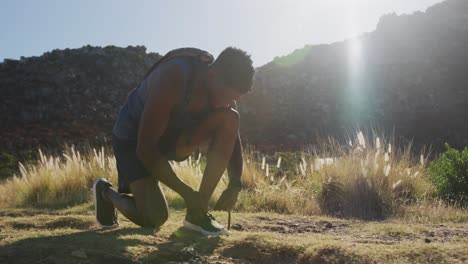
[[167, 79]]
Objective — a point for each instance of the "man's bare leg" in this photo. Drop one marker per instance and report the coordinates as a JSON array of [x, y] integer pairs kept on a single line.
[[147, 207]]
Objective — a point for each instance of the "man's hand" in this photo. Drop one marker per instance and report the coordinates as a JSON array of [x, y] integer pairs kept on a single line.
[[228, 199]]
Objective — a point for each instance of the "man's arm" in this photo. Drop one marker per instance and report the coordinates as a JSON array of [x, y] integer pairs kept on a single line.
[[228, 198], [164, 88], [235, 165]]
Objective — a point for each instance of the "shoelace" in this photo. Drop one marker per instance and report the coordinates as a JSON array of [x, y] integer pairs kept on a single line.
[[116, 221], [210, 216]]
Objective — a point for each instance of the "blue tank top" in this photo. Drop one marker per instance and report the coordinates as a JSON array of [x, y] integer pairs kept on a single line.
[[128, 119]]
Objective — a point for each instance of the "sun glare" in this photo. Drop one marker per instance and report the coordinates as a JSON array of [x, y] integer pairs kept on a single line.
[[355, 50], [354, 45], [355, 75]]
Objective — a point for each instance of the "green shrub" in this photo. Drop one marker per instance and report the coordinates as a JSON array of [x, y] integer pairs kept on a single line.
[[8, 165], [449, 174]]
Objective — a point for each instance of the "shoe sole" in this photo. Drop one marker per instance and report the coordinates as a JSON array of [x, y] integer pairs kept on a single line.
[[95, 207], [196, 228]]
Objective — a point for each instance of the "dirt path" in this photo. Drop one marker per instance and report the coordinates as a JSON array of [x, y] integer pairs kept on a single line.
[[70, 236]]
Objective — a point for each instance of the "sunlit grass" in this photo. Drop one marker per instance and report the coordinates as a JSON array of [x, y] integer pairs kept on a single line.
[[58, 181], [368, 178]]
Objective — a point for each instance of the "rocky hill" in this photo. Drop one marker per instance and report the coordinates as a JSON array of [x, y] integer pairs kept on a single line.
[[408, 76], [66, 96]]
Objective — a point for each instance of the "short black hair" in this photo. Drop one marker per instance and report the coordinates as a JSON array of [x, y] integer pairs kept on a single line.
[[236, 68]]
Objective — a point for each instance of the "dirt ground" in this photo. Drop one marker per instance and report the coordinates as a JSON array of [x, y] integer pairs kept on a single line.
[[71, 236]]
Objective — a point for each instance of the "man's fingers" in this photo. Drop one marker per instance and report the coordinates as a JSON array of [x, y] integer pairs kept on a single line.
[[226, 205], [222, 205], [226, 201]]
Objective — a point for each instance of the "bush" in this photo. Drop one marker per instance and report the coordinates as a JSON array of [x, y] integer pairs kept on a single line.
[[449, 174], [371, 179], [9, 162], [8, 165]]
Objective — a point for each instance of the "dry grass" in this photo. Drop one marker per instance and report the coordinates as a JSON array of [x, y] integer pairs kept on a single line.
[[369, 178], [359, 180], [71, 236], [58, 181]]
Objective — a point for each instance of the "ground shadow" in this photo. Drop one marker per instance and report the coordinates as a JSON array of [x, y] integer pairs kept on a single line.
[[109, 246], [184, 246], [94, 246]]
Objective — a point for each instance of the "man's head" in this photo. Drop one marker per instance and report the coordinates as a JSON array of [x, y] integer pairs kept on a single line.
[[230, 76]]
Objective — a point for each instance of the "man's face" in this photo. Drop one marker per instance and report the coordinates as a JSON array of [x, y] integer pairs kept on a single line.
[[221, 94]]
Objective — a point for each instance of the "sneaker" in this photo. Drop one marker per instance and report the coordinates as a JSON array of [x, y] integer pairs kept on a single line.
[[204, 223], [106, 215]]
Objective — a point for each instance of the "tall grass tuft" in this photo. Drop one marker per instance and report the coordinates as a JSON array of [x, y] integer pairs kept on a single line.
[[58, 181], [370, 179]]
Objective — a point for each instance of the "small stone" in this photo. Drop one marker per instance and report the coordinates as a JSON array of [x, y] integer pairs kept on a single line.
[[79, 254], [427, 240], [188, 253], [237, 227]]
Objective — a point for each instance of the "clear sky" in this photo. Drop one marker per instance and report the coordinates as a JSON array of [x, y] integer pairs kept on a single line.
[[264, 28]]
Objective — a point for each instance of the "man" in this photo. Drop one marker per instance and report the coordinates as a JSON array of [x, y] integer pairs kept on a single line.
[[186, 99]]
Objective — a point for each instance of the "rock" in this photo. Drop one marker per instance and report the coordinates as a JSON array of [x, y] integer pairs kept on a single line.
[[79, 254], [237, 227], [188, 253], [427, 240], [58, 88], [26, 116]]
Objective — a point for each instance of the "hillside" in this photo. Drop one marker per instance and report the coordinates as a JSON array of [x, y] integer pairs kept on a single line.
[[66, 96], [407, 77]]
